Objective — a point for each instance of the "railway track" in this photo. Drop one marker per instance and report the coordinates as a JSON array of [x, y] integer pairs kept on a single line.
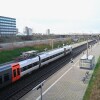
[[24, 85]]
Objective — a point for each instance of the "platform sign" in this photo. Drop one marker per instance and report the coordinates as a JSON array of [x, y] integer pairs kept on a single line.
[[87, 63]]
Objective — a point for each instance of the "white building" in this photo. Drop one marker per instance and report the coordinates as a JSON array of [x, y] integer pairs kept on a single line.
[[48, 31], [28, 31]]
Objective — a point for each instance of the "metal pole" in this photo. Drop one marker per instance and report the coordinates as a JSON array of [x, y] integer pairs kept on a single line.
[[52, 43], [87, 48], [91, 47], [98, 39], [41, 91], [39, 87]]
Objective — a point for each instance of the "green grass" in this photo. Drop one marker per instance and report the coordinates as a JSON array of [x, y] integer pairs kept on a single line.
[[9, 55], [93, 89]]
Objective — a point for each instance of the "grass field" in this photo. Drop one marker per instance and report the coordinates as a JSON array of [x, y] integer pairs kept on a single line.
[[93, 90], [9, 55]]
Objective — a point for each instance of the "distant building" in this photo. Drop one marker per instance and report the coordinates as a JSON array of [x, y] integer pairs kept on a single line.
[[48, 31], [28, 31], [7, 26], [17, 31]]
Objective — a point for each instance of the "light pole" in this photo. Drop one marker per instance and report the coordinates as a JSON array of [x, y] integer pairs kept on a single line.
[[52, 43], [40, 87], [87, 48]]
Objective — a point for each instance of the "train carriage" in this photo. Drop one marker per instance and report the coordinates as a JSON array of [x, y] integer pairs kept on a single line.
[[29, 65], [14, 71]]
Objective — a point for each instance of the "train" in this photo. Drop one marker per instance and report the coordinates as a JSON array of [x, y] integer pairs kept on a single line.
[[12, 72]]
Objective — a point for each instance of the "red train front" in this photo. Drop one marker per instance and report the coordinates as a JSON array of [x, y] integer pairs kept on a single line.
[[9, 73]]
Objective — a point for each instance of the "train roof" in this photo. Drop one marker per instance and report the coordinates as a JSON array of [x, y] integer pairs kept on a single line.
[[42, 55], [2, 68], [28, 61], [54, 51]]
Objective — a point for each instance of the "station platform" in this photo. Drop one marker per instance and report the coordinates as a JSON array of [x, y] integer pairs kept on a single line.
[[78, 44], [65, 84]]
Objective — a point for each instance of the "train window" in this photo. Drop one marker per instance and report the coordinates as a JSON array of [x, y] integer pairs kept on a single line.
[[51, 56], [45, 59], [0, 79], [24, 68], [6, 77], [30, 66], [36, 63], [48, 58], [55, 55], [42, 60], [18, 71], [14, 72], [68, 50]]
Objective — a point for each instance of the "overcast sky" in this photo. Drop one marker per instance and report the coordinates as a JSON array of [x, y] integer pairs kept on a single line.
[[60, 16]]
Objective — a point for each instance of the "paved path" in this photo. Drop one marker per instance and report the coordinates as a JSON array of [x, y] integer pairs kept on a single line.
[[66, 84]]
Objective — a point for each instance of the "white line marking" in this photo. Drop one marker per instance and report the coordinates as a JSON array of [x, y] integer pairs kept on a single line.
[[77, 66], [54, 83], [76, 62]]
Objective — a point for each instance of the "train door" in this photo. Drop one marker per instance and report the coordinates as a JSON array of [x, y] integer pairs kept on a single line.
[[15, 72]]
